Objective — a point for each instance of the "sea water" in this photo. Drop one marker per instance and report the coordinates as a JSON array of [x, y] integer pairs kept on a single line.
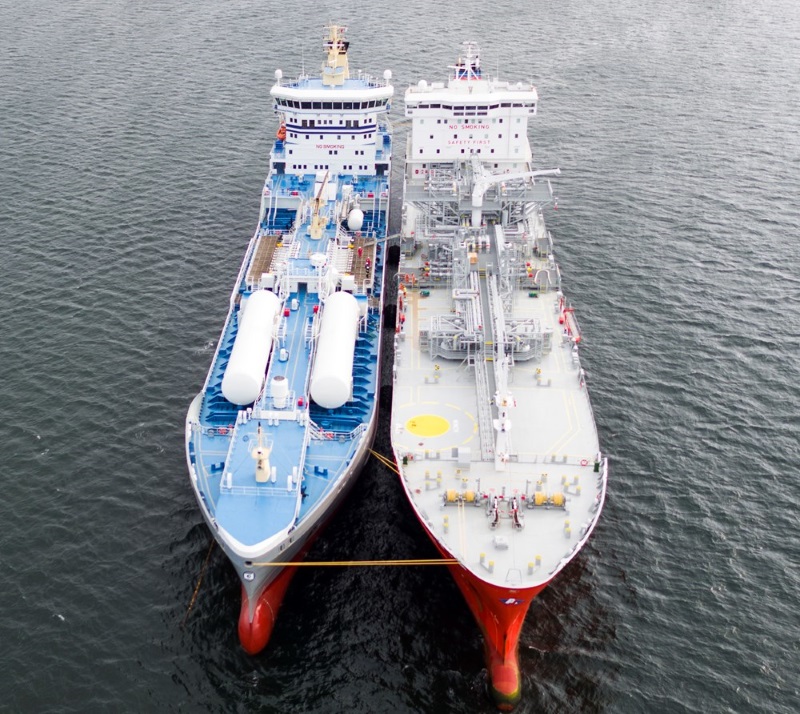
[[134, 140]]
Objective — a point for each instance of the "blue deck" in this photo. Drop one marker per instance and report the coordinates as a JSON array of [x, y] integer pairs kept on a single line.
[[317, 444]]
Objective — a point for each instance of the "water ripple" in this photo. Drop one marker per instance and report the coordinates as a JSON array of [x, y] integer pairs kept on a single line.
[[134, 139]]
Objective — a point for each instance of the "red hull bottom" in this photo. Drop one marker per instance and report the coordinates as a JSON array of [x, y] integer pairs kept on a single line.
[[254, 634], [500, 613]]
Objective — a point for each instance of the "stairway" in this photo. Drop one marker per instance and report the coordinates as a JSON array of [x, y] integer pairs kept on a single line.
[[279, 221]]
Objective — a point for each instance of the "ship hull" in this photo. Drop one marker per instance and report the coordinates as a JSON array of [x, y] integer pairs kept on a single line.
[[257, 616], [287, 414], [492, 427], [264, 587], [500, 613], [262, 600]]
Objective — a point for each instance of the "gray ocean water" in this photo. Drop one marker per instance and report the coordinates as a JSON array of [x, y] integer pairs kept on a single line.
[[134, 139]]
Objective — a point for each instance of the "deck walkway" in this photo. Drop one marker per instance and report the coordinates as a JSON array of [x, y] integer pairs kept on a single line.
[[262, 260]]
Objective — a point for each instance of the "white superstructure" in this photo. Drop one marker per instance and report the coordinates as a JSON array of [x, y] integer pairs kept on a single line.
[[334, 122]]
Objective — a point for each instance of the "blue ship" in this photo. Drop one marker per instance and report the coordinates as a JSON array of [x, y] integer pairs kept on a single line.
[[288, 412]]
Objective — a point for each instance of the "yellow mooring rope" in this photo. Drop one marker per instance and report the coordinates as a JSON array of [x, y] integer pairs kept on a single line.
[[358, 563], [199, 582], [387, 462]]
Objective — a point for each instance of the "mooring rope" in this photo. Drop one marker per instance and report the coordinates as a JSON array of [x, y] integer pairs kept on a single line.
[[357, 563], [387, 462], [199, 582]]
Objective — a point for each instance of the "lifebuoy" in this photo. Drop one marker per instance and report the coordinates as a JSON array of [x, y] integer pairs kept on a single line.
[[584, 462]]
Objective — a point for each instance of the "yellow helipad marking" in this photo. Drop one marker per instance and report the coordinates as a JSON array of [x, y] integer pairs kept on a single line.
[[428, 425]]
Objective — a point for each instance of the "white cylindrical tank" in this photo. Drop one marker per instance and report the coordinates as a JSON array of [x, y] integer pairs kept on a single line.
[[244, 374], [280, 391], [355, 219], [332, 378]]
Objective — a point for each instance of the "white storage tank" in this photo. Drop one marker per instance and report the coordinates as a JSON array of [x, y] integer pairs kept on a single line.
[[355, 219], [280, 391], [332, 377], [244, 374]]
